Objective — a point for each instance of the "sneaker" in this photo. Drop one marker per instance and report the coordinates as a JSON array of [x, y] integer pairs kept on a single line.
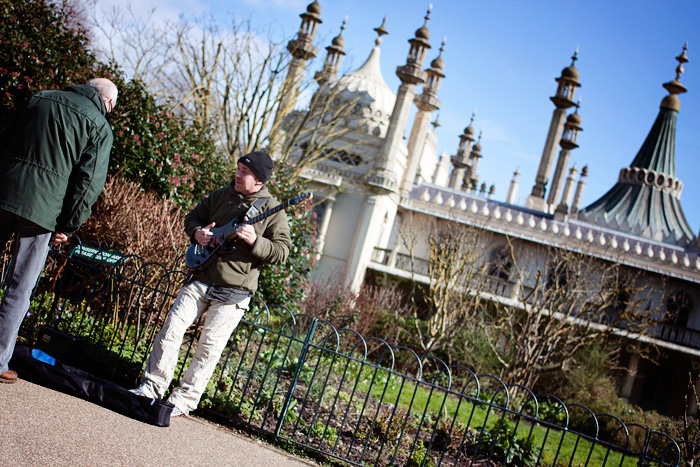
[[145, 391], [177, 412]]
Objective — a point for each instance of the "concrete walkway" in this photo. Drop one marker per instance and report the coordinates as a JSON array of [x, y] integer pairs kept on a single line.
[[42, 427]]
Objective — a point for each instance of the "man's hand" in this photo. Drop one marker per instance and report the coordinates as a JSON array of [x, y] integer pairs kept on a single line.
[[58, 238], [247, 233], [204, 235]]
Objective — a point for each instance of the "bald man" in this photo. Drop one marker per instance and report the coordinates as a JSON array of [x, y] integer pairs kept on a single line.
[[54, 154]]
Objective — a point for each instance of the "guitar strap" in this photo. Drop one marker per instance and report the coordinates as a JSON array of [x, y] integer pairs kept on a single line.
[[255, 209]]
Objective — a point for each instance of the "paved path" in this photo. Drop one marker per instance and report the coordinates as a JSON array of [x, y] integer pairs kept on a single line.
[[42, 427]]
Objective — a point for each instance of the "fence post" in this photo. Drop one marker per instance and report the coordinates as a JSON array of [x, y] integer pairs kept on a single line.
[[295, 379]]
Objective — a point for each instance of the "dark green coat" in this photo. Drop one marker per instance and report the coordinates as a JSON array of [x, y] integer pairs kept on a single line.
[[54, 154]]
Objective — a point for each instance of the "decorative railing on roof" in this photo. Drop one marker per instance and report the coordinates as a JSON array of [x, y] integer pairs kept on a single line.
[[544, 228]]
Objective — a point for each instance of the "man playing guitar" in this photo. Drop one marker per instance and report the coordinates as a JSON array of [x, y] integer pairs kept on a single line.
[[222, 287]]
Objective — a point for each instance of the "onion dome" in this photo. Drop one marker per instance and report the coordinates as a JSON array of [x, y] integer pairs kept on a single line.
[[469, 131], [366, 86], [314, 8], [574, 119], [646, 198], [423, 34], [571, 72], [338, 41], [476, 149]]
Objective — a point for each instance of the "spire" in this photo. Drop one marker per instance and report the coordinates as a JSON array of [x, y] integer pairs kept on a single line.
[[387, 167], [460, 161], [579, 190], [302, 50], [572, 126], [567, 84], [333, 57], [435, 123], [371, 68], [434, 74], [513, 188], [427, 102], [302, 47], [646, 198], [471, 178], [411, 72]]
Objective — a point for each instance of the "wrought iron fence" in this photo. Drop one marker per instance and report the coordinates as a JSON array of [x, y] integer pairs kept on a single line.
[[300, 380]]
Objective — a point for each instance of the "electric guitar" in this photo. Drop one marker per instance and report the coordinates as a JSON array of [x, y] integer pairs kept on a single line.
[[199, 256]]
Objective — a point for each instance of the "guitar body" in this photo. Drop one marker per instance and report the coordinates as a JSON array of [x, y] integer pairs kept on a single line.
[[198, 256]]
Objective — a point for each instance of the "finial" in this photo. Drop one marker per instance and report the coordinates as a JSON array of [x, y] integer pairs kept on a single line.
[[473, 115], [435, 122], [380, 32], [575, 56], [577, 105], [682, 58], [675, 87], [442, 46], [517, 172], [338, 40], [481, 132], [427, 15]]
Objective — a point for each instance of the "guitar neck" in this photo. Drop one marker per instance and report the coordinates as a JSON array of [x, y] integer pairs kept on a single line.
[[254, 220]]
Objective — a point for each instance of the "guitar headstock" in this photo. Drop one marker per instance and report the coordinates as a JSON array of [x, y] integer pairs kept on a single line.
[[298, 199]]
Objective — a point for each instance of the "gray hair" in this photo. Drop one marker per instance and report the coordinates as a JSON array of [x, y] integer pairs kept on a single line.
[[105, 87]]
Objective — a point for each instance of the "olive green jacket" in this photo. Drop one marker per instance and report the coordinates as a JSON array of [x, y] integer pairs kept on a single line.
[[240, 267], [54, 155]]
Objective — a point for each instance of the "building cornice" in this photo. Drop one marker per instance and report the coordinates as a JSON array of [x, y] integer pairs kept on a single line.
[[570, 234]]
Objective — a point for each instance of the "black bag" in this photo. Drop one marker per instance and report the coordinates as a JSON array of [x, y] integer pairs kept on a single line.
[[38, 367]]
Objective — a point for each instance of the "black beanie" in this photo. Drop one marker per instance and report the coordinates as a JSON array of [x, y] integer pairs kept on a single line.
[[260, 163]]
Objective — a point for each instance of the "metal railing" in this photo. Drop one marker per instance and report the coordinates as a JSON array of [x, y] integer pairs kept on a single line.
[[298, 379]]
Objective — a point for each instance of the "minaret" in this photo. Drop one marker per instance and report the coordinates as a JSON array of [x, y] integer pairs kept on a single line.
[[563, 207], [646, 198], [470, 176], [380, 201], [383, 177], [302, 50], [334, 55], [460, 161], [427, 102], [579, 190], [567, 143], [564, 99], [513, 188]]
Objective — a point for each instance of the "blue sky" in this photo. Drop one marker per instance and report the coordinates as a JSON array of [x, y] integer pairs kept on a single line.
[[502, 57]]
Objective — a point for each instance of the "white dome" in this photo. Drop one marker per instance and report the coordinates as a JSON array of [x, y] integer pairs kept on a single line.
[[367, 86]]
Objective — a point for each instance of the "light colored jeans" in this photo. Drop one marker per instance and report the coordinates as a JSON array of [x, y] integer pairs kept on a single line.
[[28, 257], [219, 323]]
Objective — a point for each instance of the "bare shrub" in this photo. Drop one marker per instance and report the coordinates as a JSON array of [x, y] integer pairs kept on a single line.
[[132, 221], [373, 310]]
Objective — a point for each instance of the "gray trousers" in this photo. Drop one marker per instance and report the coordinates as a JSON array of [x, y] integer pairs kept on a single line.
[[28, 258]]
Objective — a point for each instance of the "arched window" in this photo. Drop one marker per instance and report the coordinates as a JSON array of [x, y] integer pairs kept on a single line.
[[342, 156]]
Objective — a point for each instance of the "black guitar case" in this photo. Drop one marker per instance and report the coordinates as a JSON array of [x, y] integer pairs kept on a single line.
[[38, 367]]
